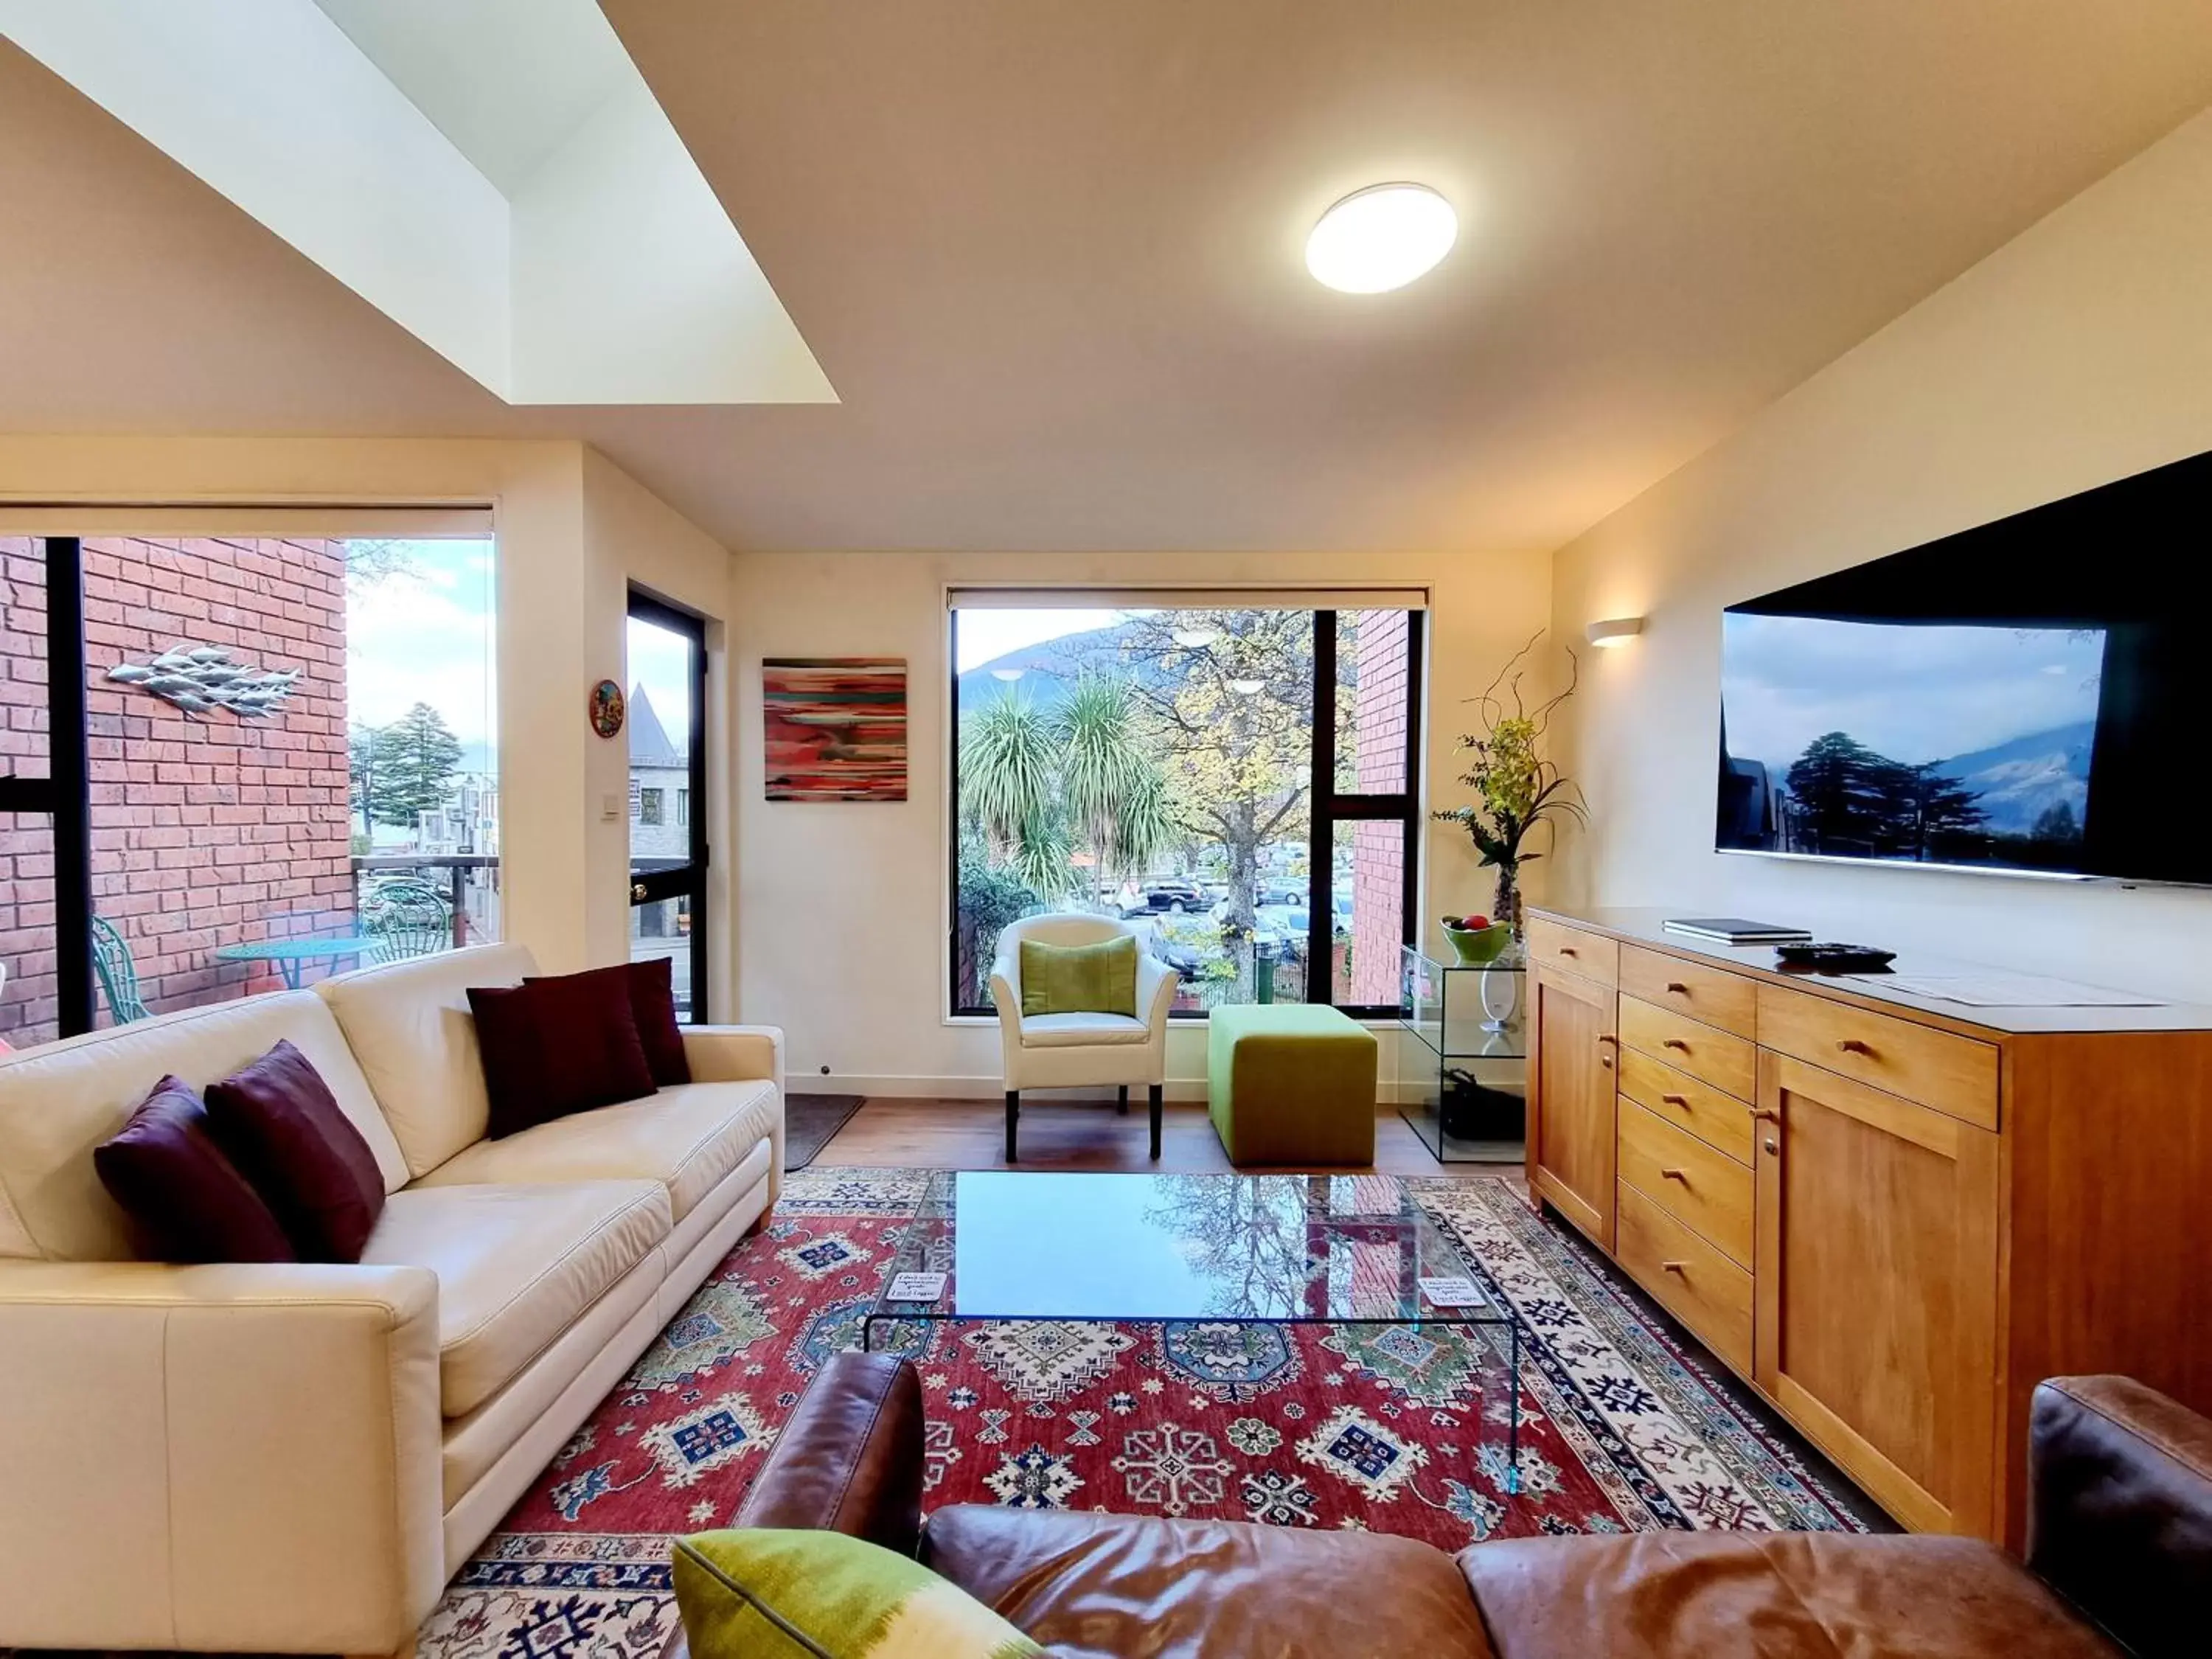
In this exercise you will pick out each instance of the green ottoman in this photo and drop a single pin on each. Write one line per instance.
(1291, 1083)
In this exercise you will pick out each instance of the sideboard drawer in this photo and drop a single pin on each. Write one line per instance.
(1688, 1277)
(1716, 1117)
(1555, 945)
(1709, 995)
(1727, 1062)
(1702, 1187)
(1953, 1074)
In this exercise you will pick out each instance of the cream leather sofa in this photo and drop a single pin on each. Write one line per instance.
(286, 1458)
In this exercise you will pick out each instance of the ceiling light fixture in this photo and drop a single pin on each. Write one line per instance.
(1614, 630)
(1381, 237)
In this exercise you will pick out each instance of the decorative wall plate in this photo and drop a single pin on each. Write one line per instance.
(608, 707)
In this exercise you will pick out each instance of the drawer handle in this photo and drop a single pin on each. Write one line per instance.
(1853, 1045)
(1682, 1268)
(1678, 987)
(1675, 1043)
(1683, 1101)
(1609, 1037)
(1569, 950)
(1675, 1175)
(1760, 1114)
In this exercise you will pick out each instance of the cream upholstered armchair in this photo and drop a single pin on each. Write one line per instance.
(1075, 1051)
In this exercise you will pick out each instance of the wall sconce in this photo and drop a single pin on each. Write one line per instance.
(1614, 630)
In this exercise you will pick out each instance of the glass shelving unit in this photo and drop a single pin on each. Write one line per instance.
(1463, 1056)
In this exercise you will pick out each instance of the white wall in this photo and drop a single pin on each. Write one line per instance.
(2079, 352)
(841, 908)
(573, 530)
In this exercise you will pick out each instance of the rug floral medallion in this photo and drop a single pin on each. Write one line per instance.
(1392, 1428)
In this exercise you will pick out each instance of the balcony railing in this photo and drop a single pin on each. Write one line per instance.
(469, 881)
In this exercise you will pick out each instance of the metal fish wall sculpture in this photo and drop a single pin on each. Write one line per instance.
(201, 678)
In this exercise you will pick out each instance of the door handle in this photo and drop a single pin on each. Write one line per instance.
(1760, 1114)
(1773, 1146)
(637, 892)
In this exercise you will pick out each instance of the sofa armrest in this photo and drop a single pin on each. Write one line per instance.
(2120, 1507)
(850, 1459)
(743, 1053)
(239, 1458)
(735, 1054)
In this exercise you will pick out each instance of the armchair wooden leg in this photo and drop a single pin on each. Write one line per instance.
(1013, 1116)
(1158, 1089)
(1121, 1105)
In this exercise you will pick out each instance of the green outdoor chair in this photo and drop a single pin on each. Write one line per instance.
(408, 919)
(119, 975)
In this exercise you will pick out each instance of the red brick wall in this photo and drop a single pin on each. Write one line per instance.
(1378, 850)
(211, 829)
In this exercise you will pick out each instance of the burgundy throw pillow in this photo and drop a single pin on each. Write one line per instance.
(286, 1133)
(555, 1046)
(653, 1001)
(186, 1199)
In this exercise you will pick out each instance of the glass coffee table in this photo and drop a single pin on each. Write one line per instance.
(1318, 1249)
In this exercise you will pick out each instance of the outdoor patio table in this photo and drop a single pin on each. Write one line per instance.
(291, 954)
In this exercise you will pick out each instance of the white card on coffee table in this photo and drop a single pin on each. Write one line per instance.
(1453, 1293)
(915, 1287)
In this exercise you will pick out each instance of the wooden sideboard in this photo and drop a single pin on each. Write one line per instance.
(1891, 1216)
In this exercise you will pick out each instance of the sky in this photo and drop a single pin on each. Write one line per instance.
(661, 661)
(1915, 694)
(424, 633)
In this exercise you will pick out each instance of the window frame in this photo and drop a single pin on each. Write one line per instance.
(1327, 806)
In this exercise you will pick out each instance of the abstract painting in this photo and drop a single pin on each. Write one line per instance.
(836, 727)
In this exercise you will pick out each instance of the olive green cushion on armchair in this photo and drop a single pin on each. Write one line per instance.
(1079, 979)
(766, 1593)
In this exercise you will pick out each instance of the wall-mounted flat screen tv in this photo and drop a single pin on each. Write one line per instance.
(2032, 695)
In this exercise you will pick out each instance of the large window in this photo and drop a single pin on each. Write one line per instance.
(235, 762)
(1242, 779)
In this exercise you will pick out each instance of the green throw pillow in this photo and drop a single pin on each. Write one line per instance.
(1080, 979)
(761, 1593)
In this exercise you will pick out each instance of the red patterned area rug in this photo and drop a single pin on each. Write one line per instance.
(1315, 1425)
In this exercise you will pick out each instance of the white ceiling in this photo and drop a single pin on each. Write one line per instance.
(1048, 252)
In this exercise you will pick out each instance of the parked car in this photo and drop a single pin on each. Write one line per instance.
(1170, 897)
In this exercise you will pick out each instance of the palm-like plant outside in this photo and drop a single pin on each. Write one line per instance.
(1036, 785)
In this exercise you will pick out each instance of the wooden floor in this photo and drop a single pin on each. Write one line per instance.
(971, 1135)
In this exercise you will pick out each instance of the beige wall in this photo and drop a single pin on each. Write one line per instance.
(842, 909)
(2079, 352)
(573, 530)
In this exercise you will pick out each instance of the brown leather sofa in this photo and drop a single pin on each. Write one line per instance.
(2119, 1560)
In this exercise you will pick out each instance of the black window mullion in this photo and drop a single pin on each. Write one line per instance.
(71, 771)
(689, 881)
(1320, 818)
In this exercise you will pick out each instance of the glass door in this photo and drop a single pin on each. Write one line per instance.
(667, 795)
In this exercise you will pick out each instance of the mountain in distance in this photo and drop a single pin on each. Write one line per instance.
(1049, 669)
(2016, 782)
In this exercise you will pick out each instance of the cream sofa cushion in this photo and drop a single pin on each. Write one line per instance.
(516, 1267)
(409, 1023)
(687, 1138)
(1080, 1031)
(60, 1100)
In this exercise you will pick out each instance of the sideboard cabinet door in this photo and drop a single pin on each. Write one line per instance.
(1874, 1288)
(1570, 1107)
